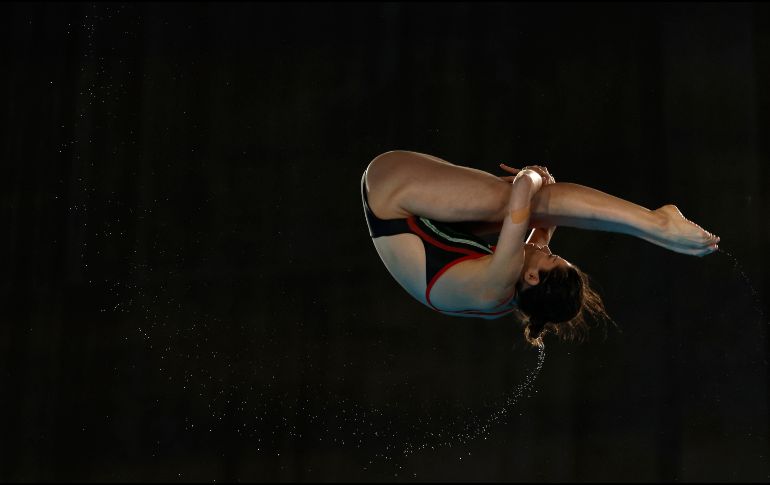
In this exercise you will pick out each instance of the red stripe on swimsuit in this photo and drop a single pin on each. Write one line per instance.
(468, 255)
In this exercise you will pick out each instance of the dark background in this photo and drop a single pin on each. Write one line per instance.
(189, 291)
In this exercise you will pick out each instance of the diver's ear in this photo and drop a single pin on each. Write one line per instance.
(531, 277)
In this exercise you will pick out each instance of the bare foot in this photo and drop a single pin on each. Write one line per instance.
(681, 235)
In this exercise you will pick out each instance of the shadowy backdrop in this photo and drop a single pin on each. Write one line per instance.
(189, 292)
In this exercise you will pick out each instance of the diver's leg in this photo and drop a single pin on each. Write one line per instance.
(405, 183)
(408, 183)
(578, 206)
(573, 205)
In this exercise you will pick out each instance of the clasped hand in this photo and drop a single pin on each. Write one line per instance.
(548, 179)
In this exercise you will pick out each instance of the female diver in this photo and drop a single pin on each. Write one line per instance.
(427, 219)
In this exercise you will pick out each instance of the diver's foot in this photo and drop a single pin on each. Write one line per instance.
(681, 235)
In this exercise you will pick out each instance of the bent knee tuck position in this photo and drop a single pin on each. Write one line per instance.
(445, 244)
(425, 217)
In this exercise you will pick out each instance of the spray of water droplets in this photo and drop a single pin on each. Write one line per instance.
(479, 426)
(345, 423)
(248, 396)
(738, 268)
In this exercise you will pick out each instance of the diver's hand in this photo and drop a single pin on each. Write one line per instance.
(542, 171)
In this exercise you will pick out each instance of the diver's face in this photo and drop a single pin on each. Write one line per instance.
(542, 258)
(536, 259)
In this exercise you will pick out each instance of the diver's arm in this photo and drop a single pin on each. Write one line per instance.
(541, 236)
(504, 266)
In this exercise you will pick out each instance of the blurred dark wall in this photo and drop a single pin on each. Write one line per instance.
(190, 293)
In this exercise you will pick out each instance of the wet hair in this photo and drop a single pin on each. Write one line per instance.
(559, 304)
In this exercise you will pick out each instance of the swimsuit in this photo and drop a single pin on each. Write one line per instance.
(445, 244)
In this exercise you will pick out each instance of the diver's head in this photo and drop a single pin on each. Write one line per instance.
(553, 294)
(537, 260)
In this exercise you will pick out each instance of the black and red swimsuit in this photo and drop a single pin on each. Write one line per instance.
(445, 245)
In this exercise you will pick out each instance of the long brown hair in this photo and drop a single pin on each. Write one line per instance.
(559, 304)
